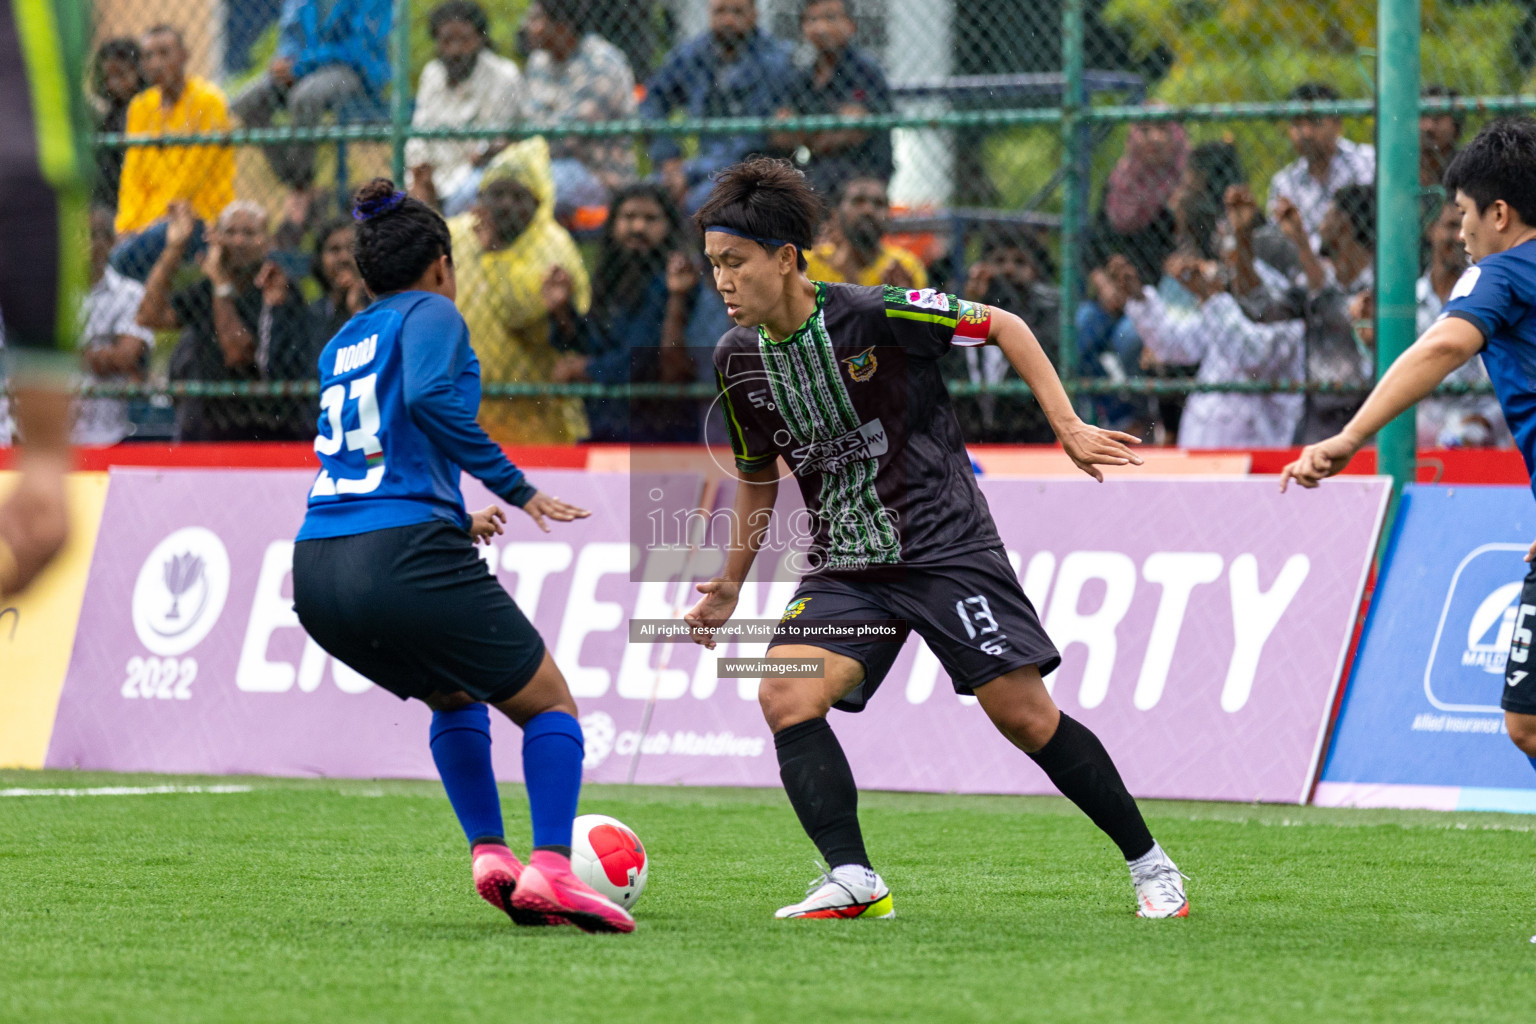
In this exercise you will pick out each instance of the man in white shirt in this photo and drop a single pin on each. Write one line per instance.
(466, 86)
(113, 347)
(576, 75)
(1327, 162)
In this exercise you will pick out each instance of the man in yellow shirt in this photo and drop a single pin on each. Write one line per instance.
(156, 176)
(504, 249)
(855, 250)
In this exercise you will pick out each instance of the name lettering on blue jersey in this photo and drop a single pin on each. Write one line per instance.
(353, 356)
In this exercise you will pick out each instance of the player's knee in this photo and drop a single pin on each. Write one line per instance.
(787, 702)
(1522, 731)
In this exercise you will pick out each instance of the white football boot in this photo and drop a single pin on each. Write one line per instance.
(850, 890)
(1159, 886)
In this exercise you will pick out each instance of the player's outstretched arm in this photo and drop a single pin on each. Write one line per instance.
(1087, 446)
(1413, 377)
(751, 512)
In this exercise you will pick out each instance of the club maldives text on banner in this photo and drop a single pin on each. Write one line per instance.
(1421, 724)
(37, 629)
(1202, 623)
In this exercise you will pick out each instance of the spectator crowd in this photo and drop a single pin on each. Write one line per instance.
(576, 261)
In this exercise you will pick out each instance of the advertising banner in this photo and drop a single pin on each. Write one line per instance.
(1202, 625)
(37, 629)
(1421, 724)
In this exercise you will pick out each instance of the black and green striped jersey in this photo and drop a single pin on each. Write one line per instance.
(854, 403)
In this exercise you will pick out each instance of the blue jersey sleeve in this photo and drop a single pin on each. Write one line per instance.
(1486, 298)
(434, 344)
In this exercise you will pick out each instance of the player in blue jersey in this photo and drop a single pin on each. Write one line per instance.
(1492, 311)
(385, 574)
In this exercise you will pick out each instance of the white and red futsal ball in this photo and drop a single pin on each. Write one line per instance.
(608, 856)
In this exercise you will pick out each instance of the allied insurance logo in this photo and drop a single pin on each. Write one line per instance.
(180, 591)
(1466, 661)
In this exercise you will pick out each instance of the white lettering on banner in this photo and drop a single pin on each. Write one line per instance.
(638, 677)
(271, 611)
(534, 563)
(925, 674)
(585, 614)
(690, 744)
(1096, 630)
(754, 601)
(1255, 614)
(1179, 572)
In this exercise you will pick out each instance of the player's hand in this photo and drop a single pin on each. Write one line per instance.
(485, 524)
(713, 610)
(542, 506)
(1320, 461)
(1090, 447)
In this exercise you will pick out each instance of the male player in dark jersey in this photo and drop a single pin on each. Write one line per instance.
(842, 382)
(42, 266)
(1492, 310)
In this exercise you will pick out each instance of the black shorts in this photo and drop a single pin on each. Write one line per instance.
(973, 615)
(416, 610)
(1520, 669)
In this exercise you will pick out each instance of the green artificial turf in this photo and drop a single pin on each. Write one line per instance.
(350, 901)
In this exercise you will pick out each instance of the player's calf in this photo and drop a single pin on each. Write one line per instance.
(1522, 731)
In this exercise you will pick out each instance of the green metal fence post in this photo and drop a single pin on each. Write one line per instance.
(1397, 214)
(1074, 182)
(400, 88)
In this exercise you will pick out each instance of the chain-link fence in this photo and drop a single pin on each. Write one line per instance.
(1181, 199)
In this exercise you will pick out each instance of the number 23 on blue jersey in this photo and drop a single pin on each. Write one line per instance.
(364, 450)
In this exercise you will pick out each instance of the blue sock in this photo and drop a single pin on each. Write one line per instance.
(461, 749)
(553, 749)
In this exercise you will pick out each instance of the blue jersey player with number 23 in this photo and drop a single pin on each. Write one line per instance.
(385, 573)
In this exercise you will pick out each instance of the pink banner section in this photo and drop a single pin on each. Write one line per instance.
(1203, 625)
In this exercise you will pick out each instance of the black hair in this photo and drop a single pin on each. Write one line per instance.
(1358, 204)
(323, 234)
(166, 29)
(998, 237)
(1219, 165)
(1445, 92)
(398, 237)
(467, 11)
(1314, 92)
(1497, 165)
(567, 12)
(121, 48)
(806, 6)
(842, 186)
(764, 198)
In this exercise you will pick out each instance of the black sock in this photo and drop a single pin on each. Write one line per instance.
(821, 790)
(1079, 766)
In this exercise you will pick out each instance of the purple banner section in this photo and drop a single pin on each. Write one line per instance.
(1202, 624)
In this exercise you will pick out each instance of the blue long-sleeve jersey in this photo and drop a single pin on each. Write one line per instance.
(399, 387)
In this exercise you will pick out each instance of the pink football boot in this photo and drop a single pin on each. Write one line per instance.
(547, 886)
(497, 872)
